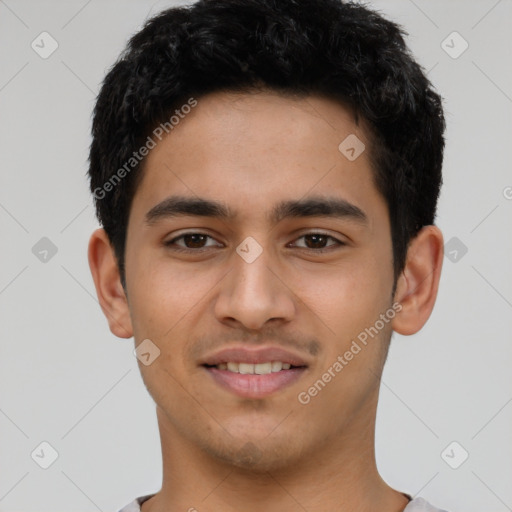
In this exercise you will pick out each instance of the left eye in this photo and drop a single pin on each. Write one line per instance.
(319, 238)
(194, 241)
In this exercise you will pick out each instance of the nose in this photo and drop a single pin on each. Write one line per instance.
(255, 293)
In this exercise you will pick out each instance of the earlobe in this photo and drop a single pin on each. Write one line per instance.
(418, 284)
(110, 292)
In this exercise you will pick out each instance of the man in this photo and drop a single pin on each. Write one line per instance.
(266, 174)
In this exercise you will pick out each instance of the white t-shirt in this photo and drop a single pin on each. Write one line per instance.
(415, 505)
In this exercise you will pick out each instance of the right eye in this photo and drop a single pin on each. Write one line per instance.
(193, 242)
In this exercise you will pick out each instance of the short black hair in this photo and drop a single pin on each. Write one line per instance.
(341, 50)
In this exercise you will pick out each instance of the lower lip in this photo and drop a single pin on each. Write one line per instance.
(255, 386)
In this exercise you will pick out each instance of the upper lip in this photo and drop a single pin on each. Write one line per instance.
(254, 355)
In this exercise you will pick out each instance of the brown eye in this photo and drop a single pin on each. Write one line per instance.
(191, 241)
(194, 241)
(317, 242)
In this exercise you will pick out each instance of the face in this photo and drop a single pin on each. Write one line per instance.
(295, 270)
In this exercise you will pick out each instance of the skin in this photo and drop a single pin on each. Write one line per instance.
(221, 451)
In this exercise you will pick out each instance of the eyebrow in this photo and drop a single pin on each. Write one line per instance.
(335, 207)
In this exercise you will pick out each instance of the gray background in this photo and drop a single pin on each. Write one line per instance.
(65, 379)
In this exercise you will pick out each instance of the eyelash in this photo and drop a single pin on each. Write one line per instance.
(170, 243)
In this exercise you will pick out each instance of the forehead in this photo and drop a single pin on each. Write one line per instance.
(252, 150)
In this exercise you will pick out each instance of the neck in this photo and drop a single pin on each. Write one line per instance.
(338, 475)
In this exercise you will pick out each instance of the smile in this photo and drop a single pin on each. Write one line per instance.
(255, 380)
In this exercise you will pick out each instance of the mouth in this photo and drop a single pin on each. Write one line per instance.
(254, 385)
(254, 372)
(254, 368)
(256, 381)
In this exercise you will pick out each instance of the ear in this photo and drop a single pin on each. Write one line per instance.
(107, 280)
(417, 286)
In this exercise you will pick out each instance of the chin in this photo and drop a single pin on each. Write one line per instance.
(258, 456)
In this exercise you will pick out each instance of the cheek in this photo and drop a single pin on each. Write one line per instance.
(164, 292)
(347, 301)
(350, 291)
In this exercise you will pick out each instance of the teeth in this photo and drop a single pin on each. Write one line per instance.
(263, 368)
(252, 369)
(246, 368)
(276, 366)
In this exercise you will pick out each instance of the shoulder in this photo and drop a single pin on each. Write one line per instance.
(134, 506)
(421, 505)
